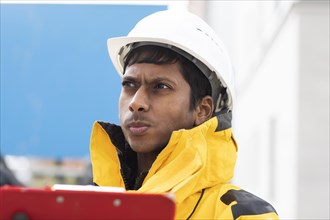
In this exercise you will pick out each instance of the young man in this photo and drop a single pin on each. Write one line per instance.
(175, 112)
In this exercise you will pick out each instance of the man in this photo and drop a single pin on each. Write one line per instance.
(175, 112)
(7, 176)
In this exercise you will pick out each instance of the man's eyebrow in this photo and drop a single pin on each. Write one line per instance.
(151, 79)
(130, 78)
(161, 79)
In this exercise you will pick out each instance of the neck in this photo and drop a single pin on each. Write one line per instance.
(145, 161)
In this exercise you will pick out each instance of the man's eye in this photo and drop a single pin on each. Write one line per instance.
(162, 86)
(128, 84)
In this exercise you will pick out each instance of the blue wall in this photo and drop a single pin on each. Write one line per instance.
(56, 76)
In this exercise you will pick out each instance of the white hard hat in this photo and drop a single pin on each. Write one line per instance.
(190, 36)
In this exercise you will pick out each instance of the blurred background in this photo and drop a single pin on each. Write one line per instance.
(57, 79)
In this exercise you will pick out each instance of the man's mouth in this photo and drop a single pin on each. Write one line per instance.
(138, 128)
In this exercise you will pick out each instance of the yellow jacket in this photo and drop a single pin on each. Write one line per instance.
(196, 166)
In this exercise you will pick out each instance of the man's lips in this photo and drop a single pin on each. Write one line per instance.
(138, 128)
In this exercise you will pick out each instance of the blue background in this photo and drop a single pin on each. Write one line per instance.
(56, 75)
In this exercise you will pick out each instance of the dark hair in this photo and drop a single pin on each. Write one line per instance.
(199, 84)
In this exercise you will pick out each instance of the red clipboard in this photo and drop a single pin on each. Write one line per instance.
(46, 204)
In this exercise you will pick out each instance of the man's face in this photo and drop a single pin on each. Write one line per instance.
(154, 102)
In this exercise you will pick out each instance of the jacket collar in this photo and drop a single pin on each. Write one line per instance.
(194, 159)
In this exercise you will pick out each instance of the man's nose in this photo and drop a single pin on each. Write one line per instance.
(140, 101)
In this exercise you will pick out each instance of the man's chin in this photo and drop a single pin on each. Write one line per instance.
(140, 149)
(145, 148)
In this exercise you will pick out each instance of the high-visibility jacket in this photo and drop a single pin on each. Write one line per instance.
(196, 165)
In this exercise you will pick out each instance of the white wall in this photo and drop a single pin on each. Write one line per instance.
(266, 124)
(313, 111)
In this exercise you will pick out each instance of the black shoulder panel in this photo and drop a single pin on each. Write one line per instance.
(247, 203)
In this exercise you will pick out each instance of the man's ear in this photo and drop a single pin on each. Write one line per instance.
(204, 110)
